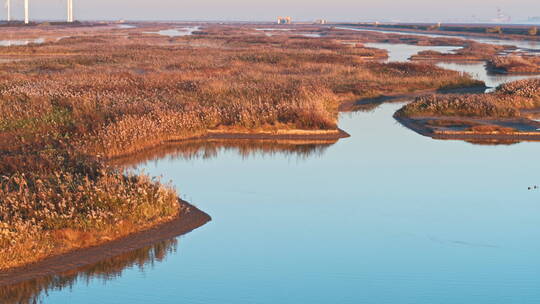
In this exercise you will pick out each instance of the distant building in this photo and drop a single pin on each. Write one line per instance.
(501, 17)
(320, 21)
(284, 20)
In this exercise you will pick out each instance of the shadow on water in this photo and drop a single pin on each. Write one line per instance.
(210, 149)
(34, 291)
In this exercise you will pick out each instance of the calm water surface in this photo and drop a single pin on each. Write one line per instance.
(177, 32)
(126, 26)
(386, 216)
(15, 42)
(402, 52)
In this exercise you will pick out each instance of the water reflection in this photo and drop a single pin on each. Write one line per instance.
(402, 52)
(383, 210)
(177, 32)
(311, 35)
(126, 26)
(209, 149)
(35, 291)
(493, 142)
(18, 42)
(478, 71)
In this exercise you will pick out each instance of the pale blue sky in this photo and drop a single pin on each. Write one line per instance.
(252, 10)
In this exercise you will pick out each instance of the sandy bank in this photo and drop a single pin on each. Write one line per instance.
(189, 219)
(459, 128)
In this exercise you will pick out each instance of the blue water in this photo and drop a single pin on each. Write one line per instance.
(385, 216)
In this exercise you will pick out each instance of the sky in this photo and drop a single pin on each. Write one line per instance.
(266, 10)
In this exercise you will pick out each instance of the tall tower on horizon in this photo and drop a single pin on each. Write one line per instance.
(8, 7)
(26, 15)
(69, 10)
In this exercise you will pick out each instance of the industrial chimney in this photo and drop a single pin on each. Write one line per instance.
(8, 7)
(26, 17)
(69, 10)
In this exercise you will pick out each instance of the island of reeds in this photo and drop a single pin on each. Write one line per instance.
(92, 94)
(509, 113)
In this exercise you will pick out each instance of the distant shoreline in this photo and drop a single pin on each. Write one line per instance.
(409, 28)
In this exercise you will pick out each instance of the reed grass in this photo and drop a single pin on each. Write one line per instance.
(66, 107)
(515, 64)
(507, 101)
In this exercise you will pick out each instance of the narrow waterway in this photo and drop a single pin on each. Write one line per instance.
(402, 52)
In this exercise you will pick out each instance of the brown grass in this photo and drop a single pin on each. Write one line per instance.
(67, 106)
(507, 101)
(491, 129)
(472, 51)
(515, 64)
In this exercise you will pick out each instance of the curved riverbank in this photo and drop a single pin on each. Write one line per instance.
(90, 252)
(293, 135)
(189, 218)
(509, 113)
(420, 126)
